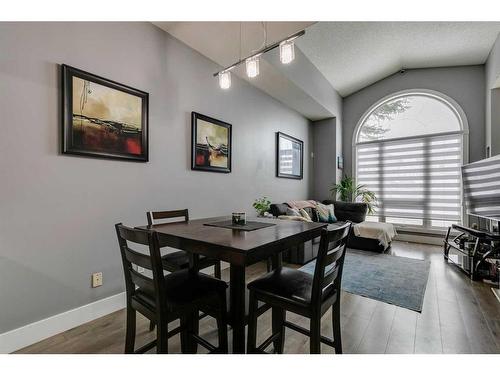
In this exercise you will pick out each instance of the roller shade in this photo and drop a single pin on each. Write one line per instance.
(414, 178)
(482, 188)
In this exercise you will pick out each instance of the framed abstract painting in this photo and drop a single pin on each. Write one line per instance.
(103, 118)
(289, 156)
(210, 144)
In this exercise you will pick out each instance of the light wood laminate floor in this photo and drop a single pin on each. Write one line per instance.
(459, 316)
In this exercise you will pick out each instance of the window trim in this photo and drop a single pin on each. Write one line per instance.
(445, 99)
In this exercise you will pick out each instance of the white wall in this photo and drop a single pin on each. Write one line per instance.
(57, 212)
(492, 70)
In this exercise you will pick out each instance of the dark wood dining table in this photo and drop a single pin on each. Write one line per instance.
(240, 249)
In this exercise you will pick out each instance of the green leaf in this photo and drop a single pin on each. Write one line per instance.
(348, 191)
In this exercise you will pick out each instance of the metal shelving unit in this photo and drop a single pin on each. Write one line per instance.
(470, 258)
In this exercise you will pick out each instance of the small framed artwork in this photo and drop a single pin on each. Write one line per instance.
(340, 162)
(210, 144)
(103, 118)
(289, 156)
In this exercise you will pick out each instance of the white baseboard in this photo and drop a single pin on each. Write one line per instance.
(496, 292)
(419, 239)
(32, 333)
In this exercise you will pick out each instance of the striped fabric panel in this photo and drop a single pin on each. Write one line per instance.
(482, 187)
(414, 178)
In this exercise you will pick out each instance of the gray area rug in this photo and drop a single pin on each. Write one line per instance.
(387, 278)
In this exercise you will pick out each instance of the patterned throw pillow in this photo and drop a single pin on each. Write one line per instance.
(305, 215)
(326, 213)
(292, 212)
(312, 213)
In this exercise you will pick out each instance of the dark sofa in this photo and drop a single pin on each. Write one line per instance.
(354, 212)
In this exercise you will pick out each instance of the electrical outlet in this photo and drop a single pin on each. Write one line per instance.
(96, 279)
(140, 269)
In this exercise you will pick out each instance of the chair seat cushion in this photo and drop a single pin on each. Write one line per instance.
(179, 259)
(285, 283)
(185, 287)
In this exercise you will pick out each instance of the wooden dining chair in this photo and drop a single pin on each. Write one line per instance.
(286, 289)
(178, 260)
(163, 299)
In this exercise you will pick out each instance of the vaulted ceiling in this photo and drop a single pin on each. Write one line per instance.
(345, 56)
(353, 55)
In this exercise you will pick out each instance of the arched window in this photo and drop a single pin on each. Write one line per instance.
(408, 149)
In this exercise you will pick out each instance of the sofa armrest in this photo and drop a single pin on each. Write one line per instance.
(278, 209)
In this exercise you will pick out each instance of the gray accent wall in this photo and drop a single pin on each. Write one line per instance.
(465, 84)
(492, 69)
(326, 148)
(57, 212)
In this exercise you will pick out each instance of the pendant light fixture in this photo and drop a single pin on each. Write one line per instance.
(287, 51)
(252, 64)
(287, 55)
(225, 79)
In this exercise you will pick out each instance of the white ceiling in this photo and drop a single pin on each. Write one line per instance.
(353, 55)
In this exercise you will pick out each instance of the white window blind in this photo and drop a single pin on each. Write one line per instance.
(482, 188)
(413, 178)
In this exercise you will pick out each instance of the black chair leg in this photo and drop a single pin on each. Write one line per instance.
(184, 335)
(337, 336)
(130, 335)
(222, 325)
(162, 338)
(315, 343)
(151, 326)
(278, 318)
(193, 327)
(252, 324)
(217, 271)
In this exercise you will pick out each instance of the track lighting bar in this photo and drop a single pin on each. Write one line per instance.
(262, 51)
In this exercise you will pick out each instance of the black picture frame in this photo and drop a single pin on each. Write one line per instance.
(195, 164)
(340, 162)
(280, 173)
(68, 145)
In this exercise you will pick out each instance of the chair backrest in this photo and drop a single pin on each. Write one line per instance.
(330, 262)
(153, 286)
(155, 216)
(349, 211)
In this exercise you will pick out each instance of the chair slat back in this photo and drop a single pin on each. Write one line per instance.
(153, 286)
(330, 262)
(138, 259)
(330, 276)
(145, 283)
(155, 216)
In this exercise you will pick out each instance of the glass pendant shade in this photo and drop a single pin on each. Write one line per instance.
(252, 67)
(287, 52)
(225, 80)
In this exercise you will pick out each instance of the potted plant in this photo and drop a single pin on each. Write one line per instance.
(262, 205)
(348, 191)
